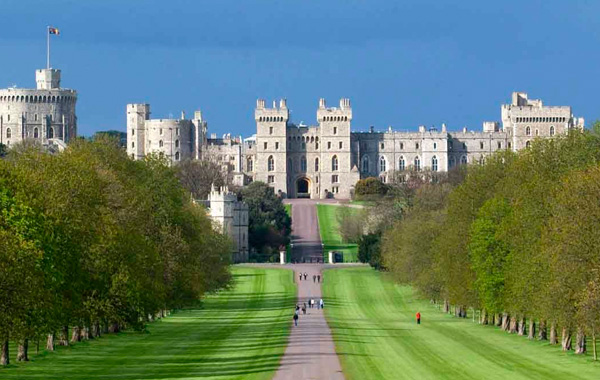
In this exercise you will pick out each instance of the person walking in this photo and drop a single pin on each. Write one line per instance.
(318, 278)
(300, 276)
(321, 303)
(418, 318)
(314, 278)
(312, 303)
(304, 308)
(305, 275)
(296, 318)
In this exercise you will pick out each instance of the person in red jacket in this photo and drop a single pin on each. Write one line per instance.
(418, 318)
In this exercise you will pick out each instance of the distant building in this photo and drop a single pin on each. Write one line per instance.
(326, 160)
(232, 216)
(45, 114)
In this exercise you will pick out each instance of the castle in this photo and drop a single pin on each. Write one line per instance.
(45, 114)
(326, 160)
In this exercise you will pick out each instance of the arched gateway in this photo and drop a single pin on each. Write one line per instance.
(302, 188)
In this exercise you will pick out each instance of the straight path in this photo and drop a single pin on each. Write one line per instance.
(310, 353)
(306, 239)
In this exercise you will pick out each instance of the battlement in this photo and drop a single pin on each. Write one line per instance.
(334, 114)
(273, 114)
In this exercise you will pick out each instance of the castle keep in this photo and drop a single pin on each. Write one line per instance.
(327, 159)
(45, 114)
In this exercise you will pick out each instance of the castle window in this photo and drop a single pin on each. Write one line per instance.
(317, 164)
(176, 156)
(35, 117)
(303, 164)
(417, 163)
(249, 164)
(317, 179)
(8, 133)
(417, 146)
(271, 179)
(528, 144)
(8, 119)
(334, 178)
(132, 144)
(316, 145)
(160, 144)
(382, 146)
(271, 164)
(270, 130)
(177, 131)
(51, 133)
(328, 144)
(365, 164)
(481, 145)
(382, 165)
(401, 164)
(132, 132)
(36, 133)
(312, 139)
(341, 144)
(499, 145)
(434, 164)
(317, 139)
(160, 131)
(528, 131)
(335, 130)
(276, 145)
(552, 130)
(334, 164)
(265, 145)
(537, 132)
(509, 145)
(434, 146)
(463, 160)
(401, 145)
(464, 146)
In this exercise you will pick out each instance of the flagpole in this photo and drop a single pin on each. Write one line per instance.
(48, 47)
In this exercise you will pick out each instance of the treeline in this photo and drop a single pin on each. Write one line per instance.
(517, 241)
(92, 242)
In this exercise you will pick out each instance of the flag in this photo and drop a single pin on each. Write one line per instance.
(52, 30)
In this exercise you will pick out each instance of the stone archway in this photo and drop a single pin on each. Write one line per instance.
(302, 188)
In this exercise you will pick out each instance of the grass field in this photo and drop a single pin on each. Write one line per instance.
(330, 234)
(238, 334)
(376, 337)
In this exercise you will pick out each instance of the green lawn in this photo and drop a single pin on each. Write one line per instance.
(330, 234)
(288, 249)
(376, 337)
(238, 334)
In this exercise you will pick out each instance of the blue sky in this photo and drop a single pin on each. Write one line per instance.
(402, 63)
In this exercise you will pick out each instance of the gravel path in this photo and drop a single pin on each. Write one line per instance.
(310, 353)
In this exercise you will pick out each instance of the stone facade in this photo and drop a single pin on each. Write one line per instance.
(45, 114)
(232, 217)
(327, 159)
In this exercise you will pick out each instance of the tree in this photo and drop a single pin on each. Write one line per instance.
(198, 176)
(269, 225)
(369, 188)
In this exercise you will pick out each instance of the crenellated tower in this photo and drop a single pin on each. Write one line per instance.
(271, 144)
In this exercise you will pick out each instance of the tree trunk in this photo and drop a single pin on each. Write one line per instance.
(512, 327)
(63, 338)
(522, 328)
(4, 359)
(566, 341)
(505, 321)
(580, 347)
(96, 330)
(50, 342)
(553, 334)
(594, 344)
(483, 318)
(22, 351)
(446, 306)
(76, 335)
(84, 332)
(531, 334)
(543, 334)
(498, 320)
